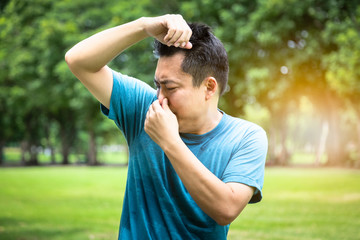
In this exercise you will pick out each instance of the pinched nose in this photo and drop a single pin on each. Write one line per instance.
(160, 96)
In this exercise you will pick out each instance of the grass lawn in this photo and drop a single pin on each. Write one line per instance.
(85, 203)
(61, 202)
(303, 204)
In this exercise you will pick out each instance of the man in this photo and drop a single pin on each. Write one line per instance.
(192, 167)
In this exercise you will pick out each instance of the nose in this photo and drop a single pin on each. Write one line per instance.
(160, 95)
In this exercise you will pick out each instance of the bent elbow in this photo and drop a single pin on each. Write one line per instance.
(73, 63)
(69, 58)
(223, 221)
(225, 218)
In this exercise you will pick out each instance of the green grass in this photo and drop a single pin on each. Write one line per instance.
(60, 202)
(303, 204)
(85, 203)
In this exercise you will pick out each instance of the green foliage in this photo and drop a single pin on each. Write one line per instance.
(38, 83)
(279, 51)
(344, 64)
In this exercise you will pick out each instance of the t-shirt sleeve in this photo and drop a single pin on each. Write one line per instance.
(129, 103)
(248, 162)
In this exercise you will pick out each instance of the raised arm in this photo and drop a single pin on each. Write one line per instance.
(88, 59)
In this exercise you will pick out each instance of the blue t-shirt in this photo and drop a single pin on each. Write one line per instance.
(156, 204)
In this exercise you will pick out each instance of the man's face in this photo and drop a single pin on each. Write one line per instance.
(185, 101)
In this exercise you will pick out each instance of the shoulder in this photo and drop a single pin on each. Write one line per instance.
(242, 125)
(244, 132)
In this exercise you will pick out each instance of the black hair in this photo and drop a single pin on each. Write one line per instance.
(206, 58)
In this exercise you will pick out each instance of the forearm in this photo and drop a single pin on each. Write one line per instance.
(98, 50)
(223, 202)
(93, 53)
(214, 197)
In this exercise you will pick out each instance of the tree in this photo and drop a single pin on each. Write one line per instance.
(277, 51)
(343, 65)
(19, 57)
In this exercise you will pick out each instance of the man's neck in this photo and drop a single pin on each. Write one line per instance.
(204, 124)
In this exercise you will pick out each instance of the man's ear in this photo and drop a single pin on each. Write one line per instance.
(211, 87)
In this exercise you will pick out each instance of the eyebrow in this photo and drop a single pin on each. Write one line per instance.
(164, 81)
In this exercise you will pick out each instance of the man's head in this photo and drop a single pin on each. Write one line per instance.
(192, 79)
(206, 58)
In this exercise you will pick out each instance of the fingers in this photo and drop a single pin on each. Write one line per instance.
(151, 113)
(188, 45)
(165, 105)
(179, 32)
(155, 106)
(176, 38)
(153, 116)
(154, 109)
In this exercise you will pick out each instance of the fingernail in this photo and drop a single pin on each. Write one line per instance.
(183, 44)
(177, 44)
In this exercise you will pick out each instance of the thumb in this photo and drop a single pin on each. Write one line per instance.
(188, 45)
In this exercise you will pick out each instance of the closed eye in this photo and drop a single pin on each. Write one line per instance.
(156, 84)
(165, 84)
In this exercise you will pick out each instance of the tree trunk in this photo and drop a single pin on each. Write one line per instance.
(65, 146)
(2, 155)
(52, 151)
(283, 158)
(67, 133)
(65, 150)
(50, 144)
(52, 155)
(272, 146)
(357, 161)
(278, 152)
(322, 143)
(24, 147)
(33, 155)
(92, 148)
(335, 150)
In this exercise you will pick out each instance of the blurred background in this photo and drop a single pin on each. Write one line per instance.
(294, 70)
